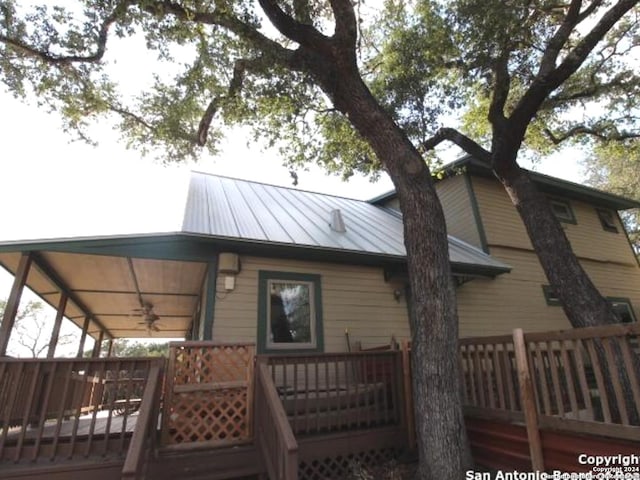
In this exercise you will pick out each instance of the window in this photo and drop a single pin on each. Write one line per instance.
(289, 312)
(551, 296)
(607, 220)
(623, 308)
(562, 210)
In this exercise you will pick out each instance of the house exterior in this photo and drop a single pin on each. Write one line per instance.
(479, 211)
(248, 256)
(271, 287)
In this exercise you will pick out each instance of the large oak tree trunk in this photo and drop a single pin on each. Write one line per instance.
(442, 440)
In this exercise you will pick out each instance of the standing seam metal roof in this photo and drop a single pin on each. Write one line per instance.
(230, 208)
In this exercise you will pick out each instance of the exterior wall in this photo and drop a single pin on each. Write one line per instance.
(516, 300)
(455, 197)
(356, 298)
(458, 209)
(503, 226)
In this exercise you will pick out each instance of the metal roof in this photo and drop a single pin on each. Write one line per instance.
(228, 208)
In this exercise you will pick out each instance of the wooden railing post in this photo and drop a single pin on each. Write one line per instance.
(408, 395)
(527, 401)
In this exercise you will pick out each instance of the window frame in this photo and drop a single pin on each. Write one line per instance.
(627, 302)
(571, 218)
(603, 216)
(550, 296)
(265, 278)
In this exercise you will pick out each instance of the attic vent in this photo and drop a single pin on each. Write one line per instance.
(337, 222)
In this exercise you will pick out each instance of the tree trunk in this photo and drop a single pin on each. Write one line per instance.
(442, 441)
(582, 302)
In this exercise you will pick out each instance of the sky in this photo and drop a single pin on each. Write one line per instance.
(52, 186)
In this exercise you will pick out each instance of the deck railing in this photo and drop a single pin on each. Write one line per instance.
(208, 395)
(330, 392)
(274, 436)
(583, 380)
(144, 435)
(67, 408)
(586, 374)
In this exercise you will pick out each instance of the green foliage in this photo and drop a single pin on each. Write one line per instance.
(123, 347)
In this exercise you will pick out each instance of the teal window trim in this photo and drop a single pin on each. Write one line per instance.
(475, 210)
(264, 276)
(210, 302)
(550, 296)
(627, 302)
(570, 218)
(607, 220)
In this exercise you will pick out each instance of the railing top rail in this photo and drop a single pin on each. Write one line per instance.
(209, 343)
(616, 330)
(486, 340)
(329, 355)
(272, 398)
(150, 360)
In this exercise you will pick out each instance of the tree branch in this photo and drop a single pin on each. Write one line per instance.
(502, 83)
(52, 59)
(235, 86)
(301, 33)
(223, 19)
(461, 140)
(346, 34)
(558, 138)
(546, 83)
(559, 39)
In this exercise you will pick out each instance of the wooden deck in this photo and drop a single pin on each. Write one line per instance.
(85, 426)
(528, 400)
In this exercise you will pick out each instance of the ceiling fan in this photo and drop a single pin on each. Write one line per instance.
(149, 318)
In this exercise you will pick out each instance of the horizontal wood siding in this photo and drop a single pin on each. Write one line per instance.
(458, 212)
(353, 297)
(516, 300)
(503, 226)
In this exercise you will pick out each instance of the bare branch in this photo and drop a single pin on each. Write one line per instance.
(461, 140)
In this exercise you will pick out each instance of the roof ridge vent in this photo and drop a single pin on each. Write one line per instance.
(337, 222)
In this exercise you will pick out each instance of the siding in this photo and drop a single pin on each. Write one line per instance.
(456, 203)
(503, 226)
(515, 300)
(458, 212)
(353, 297)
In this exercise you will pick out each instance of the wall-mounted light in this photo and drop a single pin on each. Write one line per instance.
(397, 295)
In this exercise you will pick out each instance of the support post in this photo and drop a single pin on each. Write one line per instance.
(110, 348)
(11, 309)
(83, 337)
(98, 345)
(55, 333)
(527, 400)
(408, 394)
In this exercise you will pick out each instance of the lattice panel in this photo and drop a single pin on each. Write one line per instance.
(216, 363)
(345, 465)
(219, 416)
